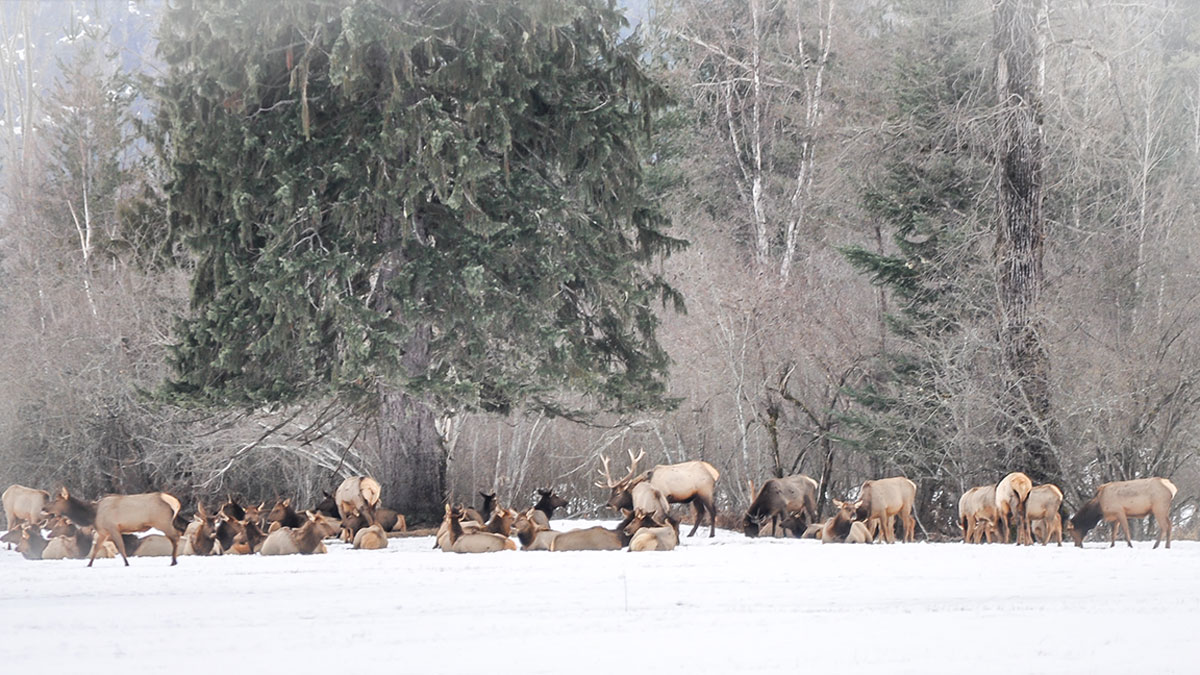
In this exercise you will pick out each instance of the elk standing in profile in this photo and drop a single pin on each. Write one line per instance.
(1118, 501)
(793, 497)
(24, 505)
(692, 482)
(881, 500)
(116, 515)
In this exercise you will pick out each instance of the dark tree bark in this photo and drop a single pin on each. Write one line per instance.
(411, 464)
(1021, 236)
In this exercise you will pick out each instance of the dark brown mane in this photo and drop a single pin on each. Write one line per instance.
(1087, 517)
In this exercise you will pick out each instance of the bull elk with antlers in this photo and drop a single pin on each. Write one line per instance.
(692, 482)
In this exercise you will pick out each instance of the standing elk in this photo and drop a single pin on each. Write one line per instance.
(358, 494)
(780, 499)
(692, 482)
(1116, 502)
(1011, 494)
(881, 500)
(116, 515)
(24, 505)
(1042, 512)
(975, 506)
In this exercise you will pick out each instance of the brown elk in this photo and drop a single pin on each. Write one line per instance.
(548, 503)
(232, 509)
(1042, 512)
(596, 538)
(485, 511)
(477, 542)
(781, 498)
(532, 534)
(693, 482)
(283, 515)
(250, 539)
(371, 538)
(116, 515)
(1011, 494)
(648, 533)
(1116, 502)
(200, 537)
(152, 545)
(881, 500)
(32, 543)
(24, 505)
(843, 528)
(976, 504)
(358, 494)
(305, 540)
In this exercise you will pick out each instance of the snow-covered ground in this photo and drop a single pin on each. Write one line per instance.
(723, 605)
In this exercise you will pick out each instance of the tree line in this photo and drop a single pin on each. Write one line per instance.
(479, 247)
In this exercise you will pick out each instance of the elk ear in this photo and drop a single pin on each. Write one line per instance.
(626, 512)
(287, 502)
(62, 492)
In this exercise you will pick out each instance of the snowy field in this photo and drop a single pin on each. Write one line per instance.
(723, 605)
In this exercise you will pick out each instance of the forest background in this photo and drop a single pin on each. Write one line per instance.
(833, 165)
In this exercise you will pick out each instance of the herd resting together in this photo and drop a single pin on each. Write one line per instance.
(107, 527)
(989, 512)
(783, 506)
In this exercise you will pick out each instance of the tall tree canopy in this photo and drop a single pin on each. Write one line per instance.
(425, 206)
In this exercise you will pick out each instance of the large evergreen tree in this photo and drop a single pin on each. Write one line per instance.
(419, 206)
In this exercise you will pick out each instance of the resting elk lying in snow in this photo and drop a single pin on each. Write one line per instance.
(843, 528)
(457, 541)
(1011, 495)
(531, 533)
(1043, 512)
(547, 505)
(880, 501)
(792, 497)
(1118, 501)
(694, 482)
(283, 515)
(115, 515)
(371, 538)
(648, 534)
(596, 538)
(305, 539)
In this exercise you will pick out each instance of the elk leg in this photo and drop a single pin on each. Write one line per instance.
(1125, 524)
(174, 547)
(712, 517)
(120, 542)
(96, 544)
(699, 515)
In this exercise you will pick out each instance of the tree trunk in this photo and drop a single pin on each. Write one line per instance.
(410, 463)
(1020, 237)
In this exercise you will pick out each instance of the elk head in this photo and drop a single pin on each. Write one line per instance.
(620, 497)
(549, 502)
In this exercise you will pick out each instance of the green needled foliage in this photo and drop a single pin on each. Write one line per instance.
(354, 175)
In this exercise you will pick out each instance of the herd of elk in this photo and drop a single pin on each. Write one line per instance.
(108, 527)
